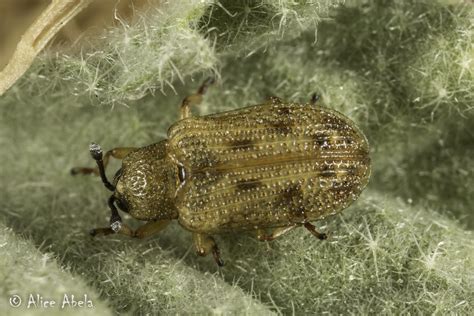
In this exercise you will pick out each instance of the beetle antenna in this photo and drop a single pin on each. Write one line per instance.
(96, 153)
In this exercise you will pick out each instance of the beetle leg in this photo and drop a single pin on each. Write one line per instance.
(194, 99)
(146, 230)
(277, 232)
(116, 224)
(205, 244)
(151, 228)
(117, 153)
(103, 231)
(312, 230)
(314, 98)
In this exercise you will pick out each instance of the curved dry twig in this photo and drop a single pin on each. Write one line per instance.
(37, 36)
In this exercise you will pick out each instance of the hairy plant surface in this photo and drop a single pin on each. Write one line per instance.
(401, 69)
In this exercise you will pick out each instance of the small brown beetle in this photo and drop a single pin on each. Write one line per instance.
(275, 166)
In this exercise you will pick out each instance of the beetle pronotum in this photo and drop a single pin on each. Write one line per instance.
(273, 166)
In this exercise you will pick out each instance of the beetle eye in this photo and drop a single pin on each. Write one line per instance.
(181, 173)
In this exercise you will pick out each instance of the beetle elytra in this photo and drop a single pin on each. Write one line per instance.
(266, 168)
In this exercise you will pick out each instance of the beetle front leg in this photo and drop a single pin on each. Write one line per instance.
(205, 244)
(277, 232)
(116, 224)
(103, 231)
(146, 230)
(151, 228)
(117, 153)
(194, 99)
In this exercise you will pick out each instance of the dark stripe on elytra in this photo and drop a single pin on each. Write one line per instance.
(323, 140)
(344, 189)
(205, 160)
(242, 143)
(246, 185)
(327, 171)
(349, 185)
(293, 198)
(335, 124)
(291, 193)
(284, 111)
(342, 192)
(210, 175)
(202, 156)
(351, 170)
(281, 127)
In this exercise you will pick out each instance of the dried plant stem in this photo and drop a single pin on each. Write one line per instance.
(52, 19)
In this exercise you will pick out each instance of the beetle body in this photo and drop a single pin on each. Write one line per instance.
(273, 166)
(264, 166)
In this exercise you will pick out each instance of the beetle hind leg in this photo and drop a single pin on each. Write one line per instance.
(312, 230)
(205, 244)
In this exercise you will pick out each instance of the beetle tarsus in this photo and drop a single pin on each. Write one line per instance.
(315, 98)
(312, 230)
(322, 236)
(217, 256)
(194, 99)
(208, 82)
(204, 245)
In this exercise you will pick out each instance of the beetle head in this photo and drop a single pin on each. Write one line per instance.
(145, 185)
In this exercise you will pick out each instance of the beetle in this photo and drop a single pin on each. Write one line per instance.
(267, 168)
